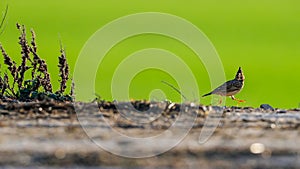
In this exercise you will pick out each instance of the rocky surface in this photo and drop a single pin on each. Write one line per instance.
(60, 135)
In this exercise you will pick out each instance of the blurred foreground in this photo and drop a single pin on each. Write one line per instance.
(48, 134)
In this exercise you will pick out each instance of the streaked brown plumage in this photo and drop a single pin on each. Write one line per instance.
(231, 87)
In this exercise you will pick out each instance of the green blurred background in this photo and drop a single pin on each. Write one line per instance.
(261, 36)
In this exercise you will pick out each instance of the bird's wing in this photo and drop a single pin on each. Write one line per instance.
(229, 86)
(221, 90)
(233, 85)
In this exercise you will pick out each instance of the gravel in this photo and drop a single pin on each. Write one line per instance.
(58, 135)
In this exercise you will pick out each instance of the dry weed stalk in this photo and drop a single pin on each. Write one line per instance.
(12, 67)
(72, 91)
(39, 65)
(63, 70)
(25, 52)
(33, 50)
(29, 89)
(46, 82)
(6, 85)
(2, 86)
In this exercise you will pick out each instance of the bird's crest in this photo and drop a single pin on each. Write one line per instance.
(239, 75)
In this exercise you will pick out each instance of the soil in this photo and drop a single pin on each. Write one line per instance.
(54, 134)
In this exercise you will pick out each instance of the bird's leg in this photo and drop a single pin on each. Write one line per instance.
(238, 100)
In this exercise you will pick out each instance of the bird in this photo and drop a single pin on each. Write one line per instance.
(231, 87)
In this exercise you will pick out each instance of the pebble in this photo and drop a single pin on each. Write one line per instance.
(281, 111)
(266, 107)
(257, 148)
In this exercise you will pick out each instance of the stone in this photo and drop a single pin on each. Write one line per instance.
(266, 107)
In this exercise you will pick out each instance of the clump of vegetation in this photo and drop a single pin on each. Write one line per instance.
(38, 86)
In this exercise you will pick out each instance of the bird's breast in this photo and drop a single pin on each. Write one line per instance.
(232, 93)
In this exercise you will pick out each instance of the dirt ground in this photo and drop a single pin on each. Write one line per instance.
(63, 135)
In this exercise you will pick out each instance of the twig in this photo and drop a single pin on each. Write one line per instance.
(3, 19)
(178, 91)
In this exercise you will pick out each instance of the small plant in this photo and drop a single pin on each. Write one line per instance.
(39, 85)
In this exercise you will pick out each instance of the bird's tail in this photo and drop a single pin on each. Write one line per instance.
(207, 94)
